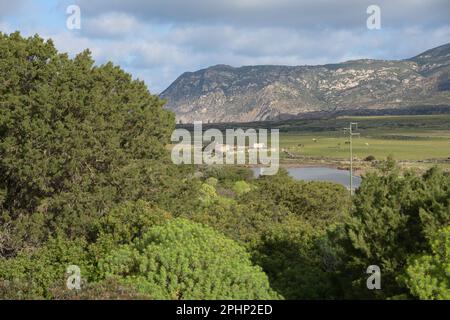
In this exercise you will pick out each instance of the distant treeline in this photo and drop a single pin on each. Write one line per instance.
(324, 115)
(336, 121)
(415, 110)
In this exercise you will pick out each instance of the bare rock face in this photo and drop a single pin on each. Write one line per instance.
(255, 93)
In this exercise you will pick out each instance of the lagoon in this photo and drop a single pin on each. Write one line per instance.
(320, 174)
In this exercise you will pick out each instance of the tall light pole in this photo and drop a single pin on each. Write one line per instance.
(350, 132)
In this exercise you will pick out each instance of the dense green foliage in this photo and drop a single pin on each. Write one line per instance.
(32, 274)
(428, 275)
(74, 139)
(283, 224)
(86, 180)
(394, 217)
(183, 260)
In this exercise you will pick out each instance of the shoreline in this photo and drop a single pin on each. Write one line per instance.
(359, 167)
(357, 171)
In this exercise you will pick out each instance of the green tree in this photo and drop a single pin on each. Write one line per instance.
(75, 139)
(394, 215)
(321, 203)
(428, 276)
(227, 175)
(297, 260)
(184, 260)
(130, 220)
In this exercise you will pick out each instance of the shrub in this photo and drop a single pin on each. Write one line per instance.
(241, 187)
(394, 216)
(32, 273)
(108, 289)
(428, 276)
(184, 260)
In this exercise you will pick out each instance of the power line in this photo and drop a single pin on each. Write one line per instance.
(350, 132)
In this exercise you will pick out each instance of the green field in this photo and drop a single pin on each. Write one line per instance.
(415, 140)
(328, 146)
(407, 138)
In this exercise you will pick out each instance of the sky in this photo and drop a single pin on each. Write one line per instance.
(158, 40)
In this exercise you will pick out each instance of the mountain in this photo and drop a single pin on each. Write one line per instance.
(254, 93)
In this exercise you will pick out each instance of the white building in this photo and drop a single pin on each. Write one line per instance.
(259, 146)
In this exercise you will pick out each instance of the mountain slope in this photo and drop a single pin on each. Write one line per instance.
(251, 93)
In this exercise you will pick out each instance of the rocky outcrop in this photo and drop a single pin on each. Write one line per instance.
(252, 93)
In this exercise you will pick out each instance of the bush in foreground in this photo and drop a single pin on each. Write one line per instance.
(428, 276)
(185, 260)
(395, 215)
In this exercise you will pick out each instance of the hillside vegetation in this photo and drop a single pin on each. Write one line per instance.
(258, 93)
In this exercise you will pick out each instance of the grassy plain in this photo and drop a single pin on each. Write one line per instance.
(418, 141)
(335, 146)
(414, 140)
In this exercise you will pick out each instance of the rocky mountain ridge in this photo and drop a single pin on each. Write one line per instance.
(257, 93)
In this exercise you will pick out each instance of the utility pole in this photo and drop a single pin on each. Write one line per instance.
(350, 132)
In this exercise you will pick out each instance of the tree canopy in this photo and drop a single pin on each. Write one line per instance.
(75, 139)
(394, 217)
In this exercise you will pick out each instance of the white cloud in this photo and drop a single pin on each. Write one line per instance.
(112, 24)
(160, 39)
(160, 59)
(287, 13)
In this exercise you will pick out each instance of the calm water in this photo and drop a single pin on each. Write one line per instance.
(320, 174)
